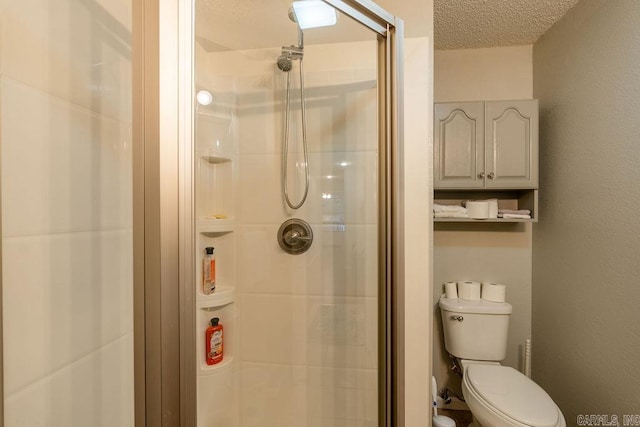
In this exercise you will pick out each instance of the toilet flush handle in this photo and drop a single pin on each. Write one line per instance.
(458, 318)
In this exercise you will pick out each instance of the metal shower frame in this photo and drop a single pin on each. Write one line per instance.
(164, 229)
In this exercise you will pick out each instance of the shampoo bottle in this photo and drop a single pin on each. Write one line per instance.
(213, 340)
(209, 271)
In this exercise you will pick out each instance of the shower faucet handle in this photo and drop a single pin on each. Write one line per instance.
(294, 237)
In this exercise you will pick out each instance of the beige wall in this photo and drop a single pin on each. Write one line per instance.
(418, 141)
(498, 252)
(586, 322)
(483, 74)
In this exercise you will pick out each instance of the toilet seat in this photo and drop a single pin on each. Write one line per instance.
(508, 397)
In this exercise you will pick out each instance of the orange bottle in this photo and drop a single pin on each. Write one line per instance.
(209, 271)
(213, 340)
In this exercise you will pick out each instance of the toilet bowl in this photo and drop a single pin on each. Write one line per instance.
(475, 333)
(499, 396)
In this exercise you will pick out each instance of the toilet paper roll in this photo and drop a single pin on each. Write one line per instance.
(469, 290)
(451, 290)
(478, 209)
(494, 292)
(493, 208)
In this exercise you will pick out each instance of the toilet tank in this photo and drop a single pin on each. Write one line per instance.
(475, 330)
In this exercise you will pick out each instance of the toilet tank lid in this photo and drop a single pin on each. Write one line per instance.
(478, 307)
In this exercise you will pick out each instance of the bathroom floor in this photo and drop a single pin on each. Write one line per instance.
(462, 418)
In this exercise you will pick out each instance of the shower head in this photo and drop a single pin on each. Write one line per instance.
(287, 56)
(284, 63)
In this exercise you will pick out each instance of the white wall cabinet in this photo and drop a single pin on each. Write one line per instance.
(486, 145)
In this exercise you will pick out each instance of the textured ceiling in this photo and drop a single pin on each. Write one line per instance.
(462, 24)
(254, 24)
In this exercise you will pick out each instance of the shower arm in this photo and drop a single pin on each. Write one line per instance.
(300, 37)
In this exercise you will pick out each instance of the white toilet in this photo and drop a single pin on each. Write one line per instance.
(498, 396)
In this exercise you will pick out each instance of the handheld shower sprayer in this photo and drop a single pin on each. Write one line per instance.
(306, 14)
(285, 64)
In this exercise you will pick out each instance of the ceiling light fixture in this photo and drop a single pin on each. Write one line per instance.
(314, 14)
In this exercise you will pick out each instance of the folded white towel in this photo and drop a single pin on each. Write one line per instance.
(450, 215)
(515, 211)
(514, 216)
(448, 208)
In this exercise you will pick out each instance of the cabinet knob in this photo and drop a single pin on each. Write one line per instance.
(491, 175)
(481, 175)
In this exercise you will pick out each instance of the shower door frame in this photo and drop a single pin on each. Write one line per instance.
(164, 198)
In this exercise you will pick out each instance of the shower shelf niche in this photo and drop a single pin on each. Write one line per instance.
(227, 314)
(215, 192)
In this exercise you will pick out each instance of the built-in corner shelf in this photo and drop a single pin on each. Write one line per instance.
(216, 226)
(220, 304)
(214, 159)
(218, 368)
(223, 295)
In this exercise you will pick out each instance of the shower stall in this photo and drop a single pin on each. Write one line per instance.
(138, 135)
(291, 159)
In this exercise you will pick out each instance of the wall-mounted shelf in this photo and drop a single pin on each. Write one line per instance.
(507, 199)
(492, 220)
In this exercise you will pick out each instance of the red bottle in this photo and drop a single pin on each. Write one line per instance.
(213, 341)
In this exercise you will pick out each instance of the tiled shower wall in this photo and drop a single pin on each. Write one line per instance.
(65, 86)
(307, 324)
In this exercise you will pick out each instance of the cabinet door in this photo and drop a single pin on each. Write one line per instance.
(459, 145)
(511, 141)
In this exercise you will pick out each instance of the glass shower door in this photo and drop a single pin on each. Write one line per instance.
(301, 330)
(67, 262)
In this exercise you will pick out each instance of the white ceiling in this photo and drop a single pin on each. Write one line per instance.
(489, 23)
(246, 24)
